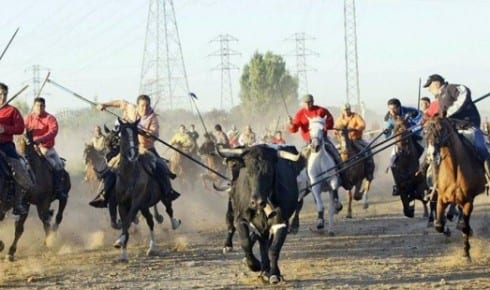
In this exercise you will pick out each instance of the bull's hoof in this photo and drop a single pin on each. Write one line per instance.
(227, 249)
(274, 279)
(264, 276)
(2, 246)
(121, 260)
(159, 218)
(447, 232)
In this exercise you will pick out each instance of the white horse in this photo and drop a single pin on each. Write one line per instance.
(320, 172)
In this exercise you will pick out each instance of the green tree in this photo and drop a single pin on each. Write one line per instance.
(264, 82)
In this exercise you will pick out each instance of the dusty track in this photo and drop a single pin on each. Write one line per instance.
(377, 249)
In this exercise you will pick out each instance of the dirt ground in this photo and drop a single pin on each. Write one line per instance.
(377, 249)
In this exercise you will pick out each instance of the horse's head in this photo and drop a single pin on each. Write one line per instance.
(343, 142)
(436, 131)
(316, 126)
(112, 141)
(129, 139)
(403, 142)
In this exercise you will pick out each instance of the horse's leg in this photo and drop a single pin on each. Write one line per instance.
(451, 212)
(158, 216)
(331, 213)
(170, 212)
(320, 209)
(294, 226)
(440, 222)
(127, 215)
(228, 247)
(44, 215)
(19, 230)
(59, 215)
(149, 221)
(466, 229)
(112, 206)
(432, 206)
(349, 207)
(426, 210)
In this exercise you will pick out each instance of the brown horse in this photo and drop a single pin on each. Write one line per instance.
(459, 175)
(355, 175)
(409, 185)
(209, 155)
(186, 170)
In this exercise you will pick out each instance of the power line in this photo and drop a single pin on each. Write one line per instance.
(224, 52)
(36, 78)
(301, 54)
(163, 73)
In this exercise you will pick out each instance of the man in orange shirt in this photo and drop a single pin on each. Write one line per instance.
(355, 124)
(44, 129)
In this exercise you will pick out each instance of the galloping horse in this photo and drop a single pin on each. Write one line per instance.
(409, 185)
(136, 190)
(186, 170)
(210, 156)
(355, 174)
(41, 194)
(460, 176)
(319, 168)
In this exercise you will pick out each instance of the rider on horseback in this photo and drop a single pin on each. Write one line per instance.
(44, 129)
(355, 125)
(149, 126)
(300, 121)
(183, 140)
(11, 123)
(413, 117)
(455, 103)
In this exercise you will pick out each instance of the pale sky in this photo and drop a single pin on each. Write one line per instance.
(95, 47)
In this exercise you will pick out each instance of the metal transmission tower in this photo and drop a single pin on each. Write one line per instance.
(226, 67)
(36, 77)
(351, 64)
(163, 74)
(301, 54)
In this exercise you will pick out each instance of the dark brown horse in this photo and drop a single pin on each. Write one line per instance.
(355, 175)
(459, 177)
(210, 157)
(186, 170)
(136, 190)
(41, 194)
(409, 185)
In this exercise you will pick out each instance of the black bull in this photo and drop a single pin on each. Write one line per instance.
(263, 195)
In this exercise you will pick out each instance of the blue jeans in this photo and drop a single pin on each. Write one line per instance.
(9, 150)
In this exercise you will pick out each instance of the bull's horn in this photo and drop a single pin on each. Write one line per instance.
(288, 155)
(231, 152)
(221, 188)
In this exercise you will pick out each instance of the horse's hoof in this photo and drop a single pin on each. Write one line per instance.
(55, 227)
(331, 234)
(338, 207)
(159, 218)
(176, 223)
(365, 206)
(274, 279)
(358, 196)
(227, 249)
(293, 230)
(348, 215)
(120, 242)
(447, 232)
(116, 226)
(2, 246)
(151, 253)
(10, 258)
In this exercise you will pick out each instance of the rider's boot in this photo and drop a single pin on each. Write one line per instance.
(162, 173)
(101, 200)
(58, 183)
(19, 202)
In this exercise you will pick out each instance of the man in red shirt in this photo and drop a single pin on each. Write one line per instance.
(11, 123)
(44, 128)
(300, 121)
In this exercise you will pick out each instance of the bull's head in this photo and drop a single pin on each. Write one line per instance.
(253, 171)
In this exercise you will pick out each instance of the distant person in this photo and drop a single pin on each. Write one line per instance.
(233, 136)
(182, 140)
(194, 136)
(267, 136)
(277, 139)
(98, 139)
(424, 104)
(247, 138)
(220, 136)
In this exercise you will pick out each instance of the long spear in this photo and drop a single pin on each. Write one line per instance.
(194, 98)
(140, 131)
(418, 103)
(42, 86)
(15, 96)
(8, 44)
